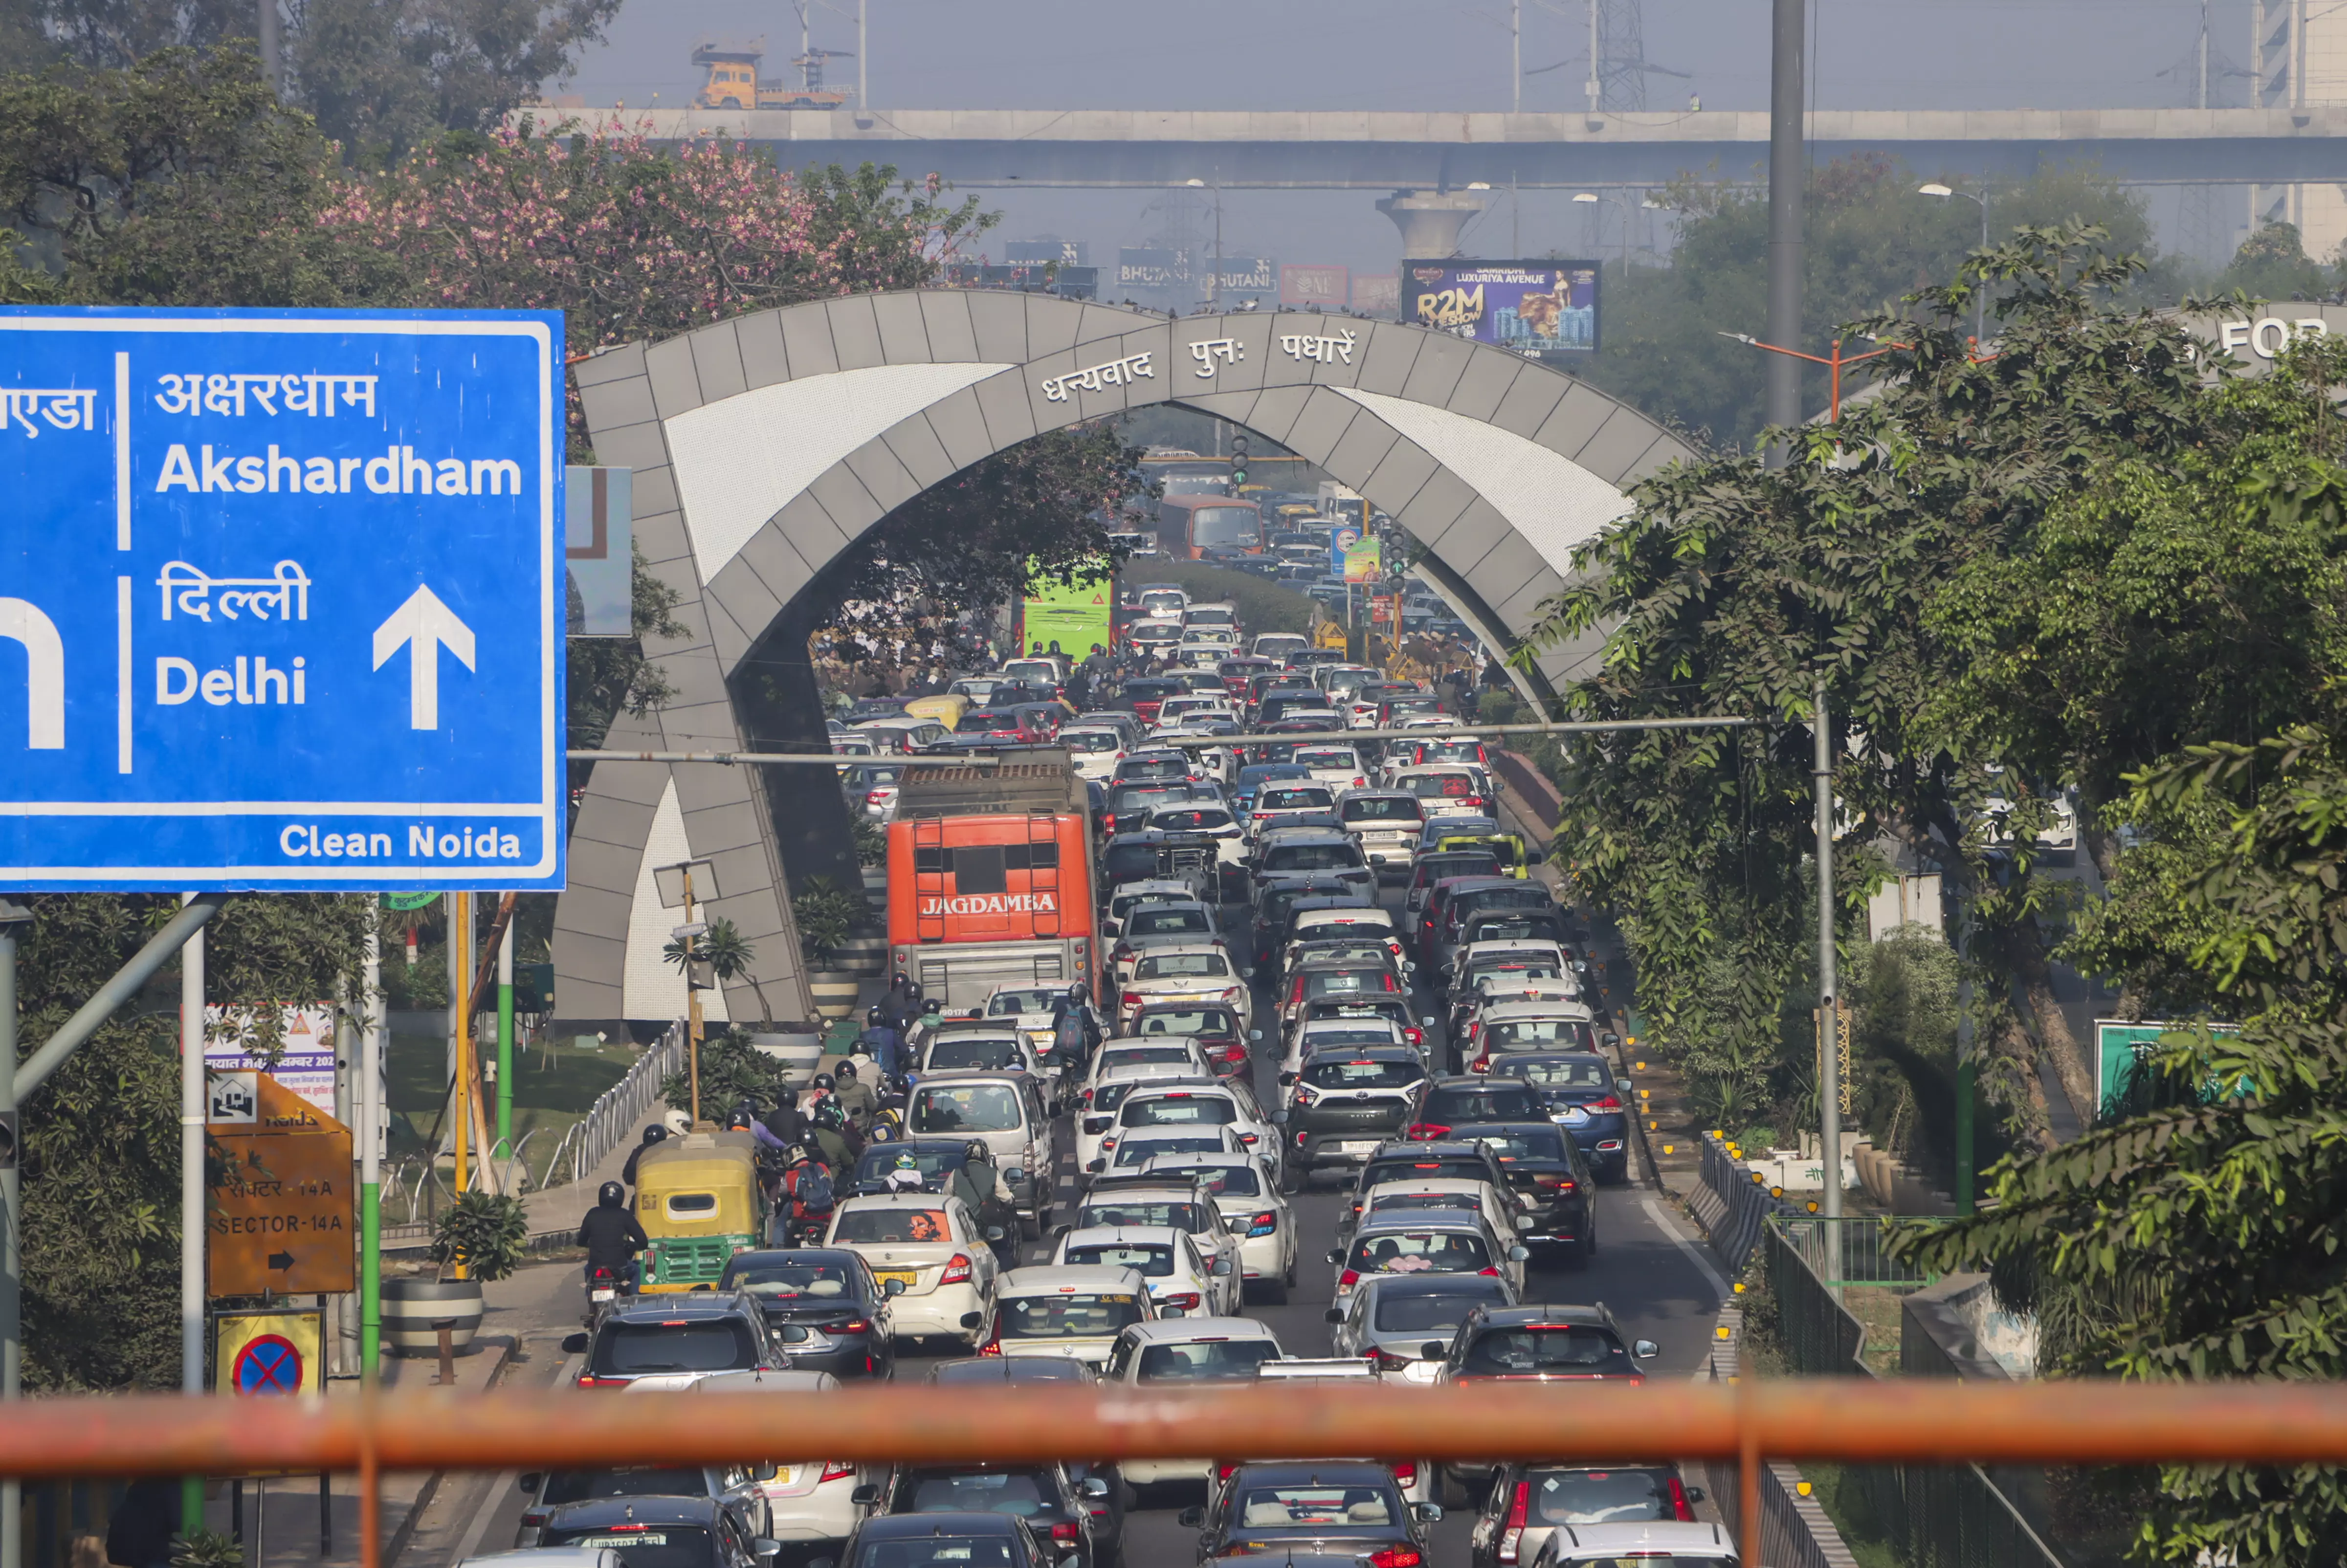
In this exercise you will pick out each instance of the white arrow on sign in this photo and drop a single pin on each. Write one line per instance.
(428, 626)
(44, 673)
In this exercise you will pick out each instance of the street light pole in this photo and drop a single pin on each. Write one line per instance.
(1828, 1046)
(191, 1198)
(12, 1288)
(1980, 294)
(1786, 175)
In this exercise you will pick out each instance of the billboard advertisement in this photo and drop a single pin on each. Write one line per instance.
(1375, 294)
(1531, 307)
(1150, 268)
(1242, 276)
(1310, 285)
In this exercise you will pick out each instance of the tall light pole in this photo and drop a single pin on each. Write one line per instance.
(1980, 295)
(862, 54)
(1214, 282)
(1828, 1046)
(1786, 175)
(1516, 54)
(12, 1529)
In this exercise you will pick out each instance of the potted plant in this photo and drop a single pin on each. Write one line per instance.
(488, 1233)
(826, 915)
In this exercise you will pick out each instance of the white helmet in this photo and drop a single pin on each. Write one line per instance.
(677, 1122)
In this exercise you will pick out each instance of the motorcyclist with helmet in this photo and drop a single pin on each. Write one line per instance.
(828, 1135)
(653, 1135)
(611, 1236)
(854, 1095)
(806, 1198)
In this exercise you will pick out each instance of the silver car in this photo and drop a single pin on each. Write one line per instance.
(1398, 1320)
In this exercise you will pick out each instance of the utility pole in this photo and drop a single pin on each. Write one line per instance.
(1829, 1052)
(191, 1198)
(370, 1134)
(12, 1262)
(266, 29)
(1595, 92)
(1516, 53)
(691, 998)
(1967, 1069)
(460, 1005)
(1786, 174)
(862, 54)
(505, 1049)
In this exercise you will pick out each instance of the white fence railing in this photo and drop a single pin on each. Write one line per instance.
(612, 1119)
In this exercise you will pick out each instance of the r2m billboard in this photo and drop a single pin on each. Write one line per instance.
(1530, 307)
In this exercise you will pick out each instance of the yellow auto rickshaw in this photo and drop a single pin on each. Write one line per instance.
(699, 1202)
(1508, 847)
(946, 709)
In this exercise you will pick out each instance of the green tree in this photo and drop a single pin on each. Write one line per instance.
(1870, 240)
(2273, 264)
(2200, 1239)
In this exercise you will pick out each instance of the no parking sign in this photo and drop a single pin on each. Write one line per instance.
(267, 1353)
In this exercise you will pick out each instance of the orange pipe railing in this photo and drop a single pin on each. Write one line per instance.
(1917, 1420)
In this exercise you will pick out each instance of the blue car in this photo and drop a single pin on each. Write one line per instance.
(1578, 1091)
(1254, 777)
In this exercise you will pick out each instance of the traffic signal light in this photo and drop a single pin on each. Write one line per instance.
(1238, 459)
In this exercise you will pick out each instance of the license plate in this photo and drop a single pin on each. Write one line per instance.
(885, 1275)
(782, 1475)
(1358, 1146)
(606, 1294)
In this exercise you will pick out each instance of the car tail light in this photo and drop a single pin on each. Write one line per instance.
(957, 1271)
(1405, 1471)
(833, 1470)
(1425, 1132)
(854, 1325)
(1223, 1471)
(1611, 1102)
(1679, 1508)
(1132, 999)
(1263, 1223)
(1387, 1361)
(1187, 1301)
(1065, 1533)
(873, 797)
(1519, 1508)
(1305, 1095)
(1557, 1184)
(531, 1518)
(1349, 1278)
(992, 1344)
(1415, 1035)
(590, 1381)
(1395, 1557)
(1494, 1272)
(1248, 1139)
(1481, 1064)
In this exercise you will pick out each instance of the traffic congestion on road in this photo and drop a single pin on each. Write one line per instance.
(1204, 1060)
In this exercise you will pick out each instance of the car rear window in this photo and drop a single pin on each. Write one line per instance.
(1180, 966)
(1524, 1143)
(892, 1223)
(986, 1055)
(1134, 1150)
(1178, 1110)
(1077, 1314)
(1440, 786)
(1342, 856)
(1541, 1034)
(965, 1108)
(935, 1552)
(1294, 797)
(1420, 1252)
(1024, 1494)
(635, 1349)
(1186, 1021)
(625, 1481)
(1575, 1348)
(1171, 1213)
(1203, 1360)
(1318, 983)
(1167, 922)
(1233, 1181)
(1383, 808)
(1362, 1073)
(644, 1545)
(1481, 1103)
(1599, 1496)
(1314, 1507)
(1416, 1312)
(1560, 1072)
(1153, 1260)
(1463, 1166)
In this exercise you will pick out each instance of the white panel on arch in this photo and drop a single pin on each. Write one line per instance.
(740, 460)
(1552, 501)
(651, 987)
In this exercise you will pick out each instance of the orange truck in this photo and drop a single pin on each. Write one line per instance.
(990, 878)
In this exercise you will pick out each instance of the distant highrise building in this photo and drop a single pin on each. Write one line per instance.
(2298, 56)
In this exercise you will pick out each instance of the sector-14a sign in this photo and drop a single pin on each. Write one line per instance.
(281, 600)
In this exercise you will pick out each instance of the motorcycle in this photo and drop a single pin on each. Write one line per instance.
(605, 1286)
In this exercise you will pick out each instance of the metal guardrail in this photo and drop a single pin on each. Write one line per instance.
(1732, 1203)
(1936, 1515)
(613, 1117)
(1853, 1249)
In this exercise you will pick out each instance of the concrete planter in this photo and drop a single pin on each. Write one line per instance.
(834, 992)
(412, 1306)
(797, 1051)
(863, 956)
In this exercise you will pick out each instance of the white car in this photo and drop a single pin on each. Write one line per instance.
(1144, 1050)
(1182, 1279)
(1164, 925)
(807, 1500)
(1498, 1207)
(1187, 971)
(1287, 797)
(1097, 1107)
(1185, 1353)
(1254, 1208)
(1094, 752)
(1172, 711)
(1338, 767)
(1536, 1025)
(1072, 1314)
(1227, 1102)
(1387, 821)
(932, 1244)
(1129, 895)
(1333, 1034)
(1132, 1149)
(1178, 1202)
(1167, 604)
(1278, 644)
(990, 1046)
(1676, 1541)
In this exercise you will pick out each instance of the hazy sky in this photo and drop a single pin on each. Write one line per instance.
(1423, 55)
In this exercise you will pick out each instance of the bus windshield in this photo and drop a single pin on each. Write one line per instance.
(1225, 526)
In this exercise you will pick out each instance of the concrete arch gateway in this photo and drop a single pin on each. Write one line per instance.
(765, 446)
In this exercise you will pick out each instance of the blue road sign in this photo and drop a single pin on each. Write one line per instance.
(282, 601)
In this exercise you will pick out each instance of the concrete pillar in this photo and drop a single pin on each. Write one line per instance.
(1430, 222)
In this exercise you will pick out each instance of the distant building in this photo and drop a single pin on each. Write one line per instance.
(2300, 58)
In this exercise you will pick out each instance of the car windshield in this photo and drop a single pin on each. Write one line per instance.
(626, 1480)
(1481, 1103)
(982, 1054)
(1019, 1492)
(1564, 1348)
(1153, 1260)
(1561, 1072)
(1221, 1181)
(1149, 1055)
(1428, 1167)
(1312, 856)
(1186, 1021)
(1436, 786)
(1383, 808)
(1180, 966)
(1200, 1360)
(822, 1279)
(1133, 1150)
(1171, 1213)
(1541, 1034)
(1345, 1034)
(632, 1349)
(891, 1222)
(1069, 1314)
(1032, 999)
(643, 1545)
(1089, 740)
(1167, 922)
(1294, 797)
(935, 1552)
(1321, 757)
(1599, 1496)
(1313, 1507)
(1345, 982)
(1361, 1072)
(1422, 1312)
(1179, 1110)
(1533, 1143)
(1420, 1252)
(965, 1108)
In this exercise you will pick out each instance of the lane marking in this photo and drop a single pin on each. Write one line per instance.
(503, 1481)
(1661, 1216)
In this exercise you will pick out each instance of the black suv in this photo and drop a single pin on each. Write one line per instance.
(659, 1533)
(1441, 1106)
(1348, 1103)
(1319, 1509)
(1462, 1159)
(661, 1334)
(1324, 854)
(825, 1307)
(1275, 896)
(1547, 1344)
(1557, 1203)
